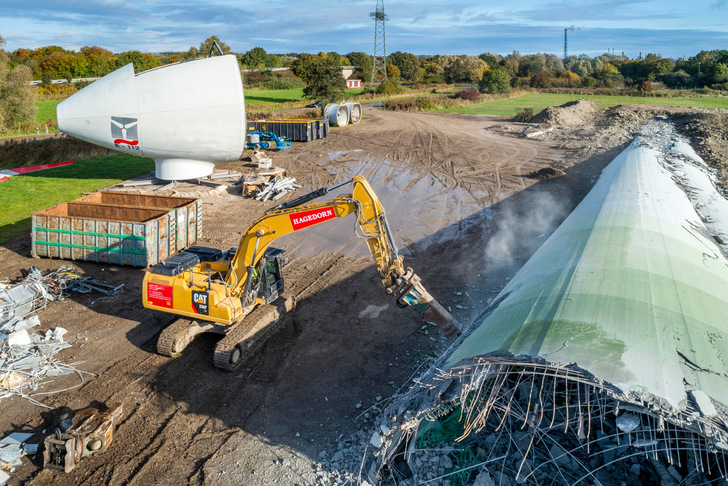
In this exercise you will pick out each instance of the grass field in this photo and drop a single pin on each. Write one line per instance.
(539, 101)
(21, 195)
(46, 110)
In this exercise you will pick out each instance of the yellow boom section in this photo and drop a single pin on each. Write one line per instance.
(371, 225)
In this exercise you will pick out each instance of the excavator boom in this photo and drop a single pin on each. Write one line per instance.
(371, 225)
(212, 288)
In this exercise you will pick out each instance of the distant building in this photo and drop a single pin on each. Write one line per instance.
(353, 83)
(347, 71)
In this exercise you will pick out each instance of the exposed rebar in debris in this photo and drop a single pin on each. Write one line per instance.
(535, 423)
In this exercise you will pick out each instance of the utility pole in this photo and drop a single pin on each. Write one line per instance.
(379, 67)
(566, 41)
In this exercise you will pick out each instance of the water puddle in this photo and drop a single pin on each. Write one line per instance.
(421, 208)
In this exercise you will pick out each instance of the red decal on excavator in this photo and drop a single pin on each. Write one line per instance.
(159, 295)
(307, 218)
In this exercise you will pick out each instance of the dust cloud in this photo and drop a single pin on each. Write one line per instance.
(522, 225)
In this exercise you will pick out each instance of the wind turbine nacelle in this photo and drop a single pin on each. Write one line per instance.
(186, 116)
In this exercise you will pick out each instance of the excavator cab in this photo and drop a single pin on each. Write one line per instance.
(270, 269)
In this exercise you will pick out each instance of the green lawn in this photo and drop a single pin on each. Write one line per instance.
(539, 101)
(46, 110)
(21, 195)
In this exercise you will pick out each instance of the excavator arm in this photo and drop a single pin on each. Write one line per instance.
(370, 224)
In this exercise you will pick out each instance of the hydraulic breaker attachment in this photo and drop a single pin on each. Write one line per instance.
(411, 293)
(91, 431)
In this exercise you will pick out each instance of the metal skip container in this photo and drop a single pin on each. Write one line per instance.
(117, 228)
(297, 129)
(338, 114)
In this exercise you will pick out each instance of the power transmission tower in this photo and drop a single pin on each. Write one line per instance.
(379, 61)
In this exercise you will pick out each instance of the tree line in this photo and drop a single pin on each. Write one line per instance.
(706, 69)
(318, 73)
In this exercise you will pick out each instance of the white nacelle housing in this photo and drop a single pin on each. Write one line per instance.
(186, 116)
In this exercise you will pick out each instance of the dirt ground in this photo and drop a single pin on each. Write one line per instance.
(465, 207)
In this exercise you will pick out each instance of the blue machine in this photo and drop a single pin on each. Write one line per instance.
(267, 140)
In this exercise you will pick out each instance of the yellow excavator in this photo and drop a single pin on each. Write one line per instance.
(238, 293)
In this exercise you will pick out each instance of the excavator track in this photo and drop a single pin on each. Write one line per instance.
(247, 336)
(175, 338)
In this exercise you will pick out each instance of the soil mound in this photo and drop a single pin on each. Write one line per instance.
(571, 114)
(546, 173)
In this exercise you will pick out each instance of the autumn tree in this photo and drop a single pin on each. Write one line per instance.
(256, 58)
(57, 65)
(363, 63)
(100, 61)
(393, 72)
(495, 81)
(408, 65)
(323, 78)
(206, 46)
(4, 59)
(460, 68)
(141, 61)
(540, 80)
(17, 99)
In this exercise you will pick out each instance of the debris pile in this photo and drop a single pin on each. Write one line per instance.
(28, 358)
(572, 114)
(506, 421)
(33, 293)
(12, 448)
(269, 184)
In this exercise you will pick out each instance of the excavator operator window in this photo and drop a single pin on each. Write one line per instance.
(274, 282)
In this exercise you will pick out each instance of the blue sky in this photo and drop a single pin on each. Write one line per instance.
(672, 28)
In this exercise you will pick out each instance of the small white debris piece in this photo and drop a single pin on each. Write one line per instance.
(3, 477)
(376, 440)
(705, 404)
(628, 422)
(257, 156)
(56, 334)
(12, 449)
(19, 338)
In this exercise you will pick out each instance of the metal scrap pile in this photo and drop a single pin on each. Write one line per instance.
(26, 357)
(33, 293)
(277, 188)
(272, 184)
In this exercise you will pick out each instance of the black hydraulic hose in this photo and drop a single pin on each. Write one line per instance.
(308, 197)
